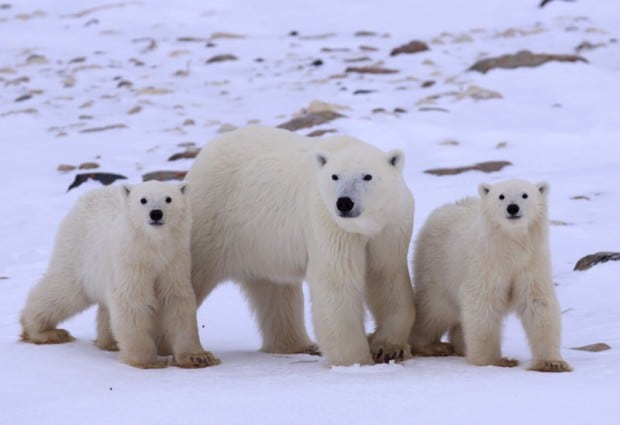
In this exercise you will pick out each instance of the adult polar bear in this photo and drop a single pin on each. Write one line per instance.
(271, 209)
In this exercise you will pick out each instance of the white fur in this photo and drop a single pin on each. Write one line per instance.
(264, 212)
(111, 250)
(475, 262)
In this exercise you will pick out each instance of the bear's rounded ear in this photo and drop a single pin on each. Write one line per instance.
(543, 188)
(126, 189)
(182, 187)
(484, 189)
(396, 158)
(321, 159)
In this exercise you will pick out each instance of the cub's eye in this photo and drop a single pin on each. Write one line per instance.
(501, 197)
(334, 177)
(367, 177)
(524, 196)
(168, 200)
(143, 201)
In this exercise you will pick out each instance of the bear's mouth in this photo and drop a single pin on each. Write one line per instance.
(156, 223)
(348, 214)
(514, 217)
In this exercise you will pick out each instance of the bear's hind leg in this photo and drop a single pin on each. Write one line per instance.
(52, 301)
(455, 336)
(279, 309)
(432, 321)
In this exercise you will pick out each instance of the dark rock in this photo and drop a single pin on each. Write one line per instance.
(104, 128)
(365, 34)
(293, 33)
(191, 40)
(524, 58)
(363, 91)
(427, 83)
(222, 58)
(23, 97)
(321, 132)
(310, 119)
(317, 62)
(485, 167)
(103, 178)
(593, 259)
(88, 166)
(189, 153)
(414, 46)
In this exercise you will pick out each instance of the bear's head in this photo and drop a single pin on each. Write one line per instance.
(155, 205)
(515, 205)
(360, 185)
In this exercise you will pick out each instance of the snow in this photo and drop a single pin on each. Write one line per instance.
(559, 121)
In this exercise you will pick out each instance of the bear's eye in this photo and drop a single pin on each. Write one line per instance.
(168, 199)
(367, 177)
(501, 197)
(334, 177)
(143, 201)
(524, 196)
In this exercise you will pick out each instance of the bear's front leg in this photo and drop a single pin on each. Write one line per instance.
(390, 298)
(177, 325)
(336, 281)
(132, 307)
(541, 318)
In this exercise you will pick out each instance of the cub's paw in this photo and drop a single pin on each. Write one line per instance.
(311, 349)
(506, 362)
(52, 336)
(106, 345)
(157, 363)
(551, 366)
(439, 349)
(195, 360)
(385, 352)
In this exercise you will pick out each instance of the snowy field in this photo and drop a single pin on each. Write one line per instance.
(128, 84)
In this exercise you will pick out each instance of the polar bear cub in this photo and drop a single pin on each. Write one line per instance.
(475, 261)
(271, 209)
(127, 250)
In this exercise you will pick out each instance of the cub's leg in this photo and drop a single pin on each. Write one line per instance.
(105, 340)
(279, 309)
(54, 299)
(434, 317)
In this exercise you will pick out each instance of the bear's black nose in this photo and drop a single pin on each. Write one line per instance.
(512, 209)
(344, 204)
(156, 215)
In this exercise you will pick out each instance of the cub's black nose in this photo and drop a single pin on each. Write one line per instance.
(344, 204)
(156, 215)
(512, 209)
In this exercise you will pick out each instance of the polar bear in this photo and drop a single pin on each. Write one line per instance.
(271, 209)
(475, 261)
(127, 250)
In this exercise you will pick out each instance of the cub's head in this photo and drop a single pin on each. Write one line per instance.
(156, 205)
(515, 205)
(360, 186)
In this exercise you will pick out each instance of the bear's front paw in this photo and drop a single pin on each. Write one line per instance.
(311, 349)
(195, 360)
(385, 352)
(551, 366)
(106, 345)
(52, 336)
(506, 362)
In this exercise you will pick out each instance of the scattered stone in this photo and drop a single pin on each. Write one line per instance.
(7, 70)
(501, 145)
(580, 198)
(164, 175)
(149, 47)
(370, 70)
(360, 59)
(88, 166)
(191, 40)
(524, 58)
(225, 128)
(85, 117)
(318, 36)
(36, 60)
(450, 143)
(186, 144)
(586, 46)
(220, 35)
(414, 46)
(65, 168)
(593, 348)
(153, 91)
(189, 122)
(321, 132)
(79, 59)
(181, 73)
(104, 128)
(363, 91)
(124, 83)
(317, 62)
(478, 93)
(593, 259)
(334, 49)
(103, 178)
(188, 153)
(432, 109)
(23, 97)
(400, 111)
(366, 48)
(19, 111)
(4, 277)
(100, 8)
(222, 58)
(365, 34)
(320, 106)
(135, 110)
(427, 83)
(310, 119)
(378, 110)
(485, 167)
(560, 223)
(17, 81)
(136, 62)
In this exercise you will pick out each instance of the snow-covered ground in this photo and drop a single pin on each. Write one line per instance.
(142, 66)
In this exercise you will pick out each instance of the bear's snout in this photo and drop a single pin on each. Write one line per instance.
(513, 209)
(345, 204)
(156, 215)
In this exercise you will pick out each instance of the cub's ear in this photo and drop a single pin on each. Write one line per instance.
(127, 189)
(321, 159)
(484, 189)
(182, 187)
(396, 158)
(543, 188)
